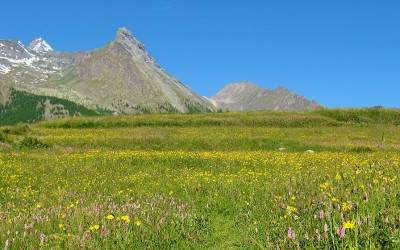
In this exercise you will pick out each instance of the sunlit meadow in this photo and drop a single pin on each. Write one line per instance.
(216, 181)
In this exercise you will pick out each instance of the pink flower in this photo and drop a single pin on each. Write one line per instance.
(341, 232)
(291, 234)
(321, 214)
(42, 236)
(318, 234)
(325, 228)
(306, 236)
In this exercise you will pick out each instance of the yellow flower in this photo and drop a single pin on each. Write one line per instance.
(61, 226)
(71, 206)
(255, 222)
(338, 177)
(96, 227)
(38, 206)
(138, 223)
(171, 192)
(346, 206)
(291, 209)
(126, 218)
(110, 217)
(349, 225)
(325, 185)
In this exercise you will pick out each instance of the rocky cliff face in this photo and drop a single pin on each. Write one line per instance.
(243, 96)
(121, 77)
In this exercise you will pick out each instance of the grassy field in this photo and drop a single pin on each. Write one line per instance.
(327, 179)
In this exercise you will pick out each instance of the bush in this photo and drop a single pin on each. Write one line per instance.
(3, 137)
(20, 129)
(362, 149)
(31, 143)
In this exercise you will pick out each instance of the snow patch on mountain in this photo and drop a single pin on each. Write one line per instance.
(4, 69)
(27, 61)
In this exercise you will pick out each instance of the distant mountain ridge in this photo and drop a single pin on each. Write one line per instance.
(246, 96)
(119, 78)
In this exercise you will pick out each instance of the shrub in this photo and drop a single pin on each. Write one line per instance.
(362, 149)
(31, 143)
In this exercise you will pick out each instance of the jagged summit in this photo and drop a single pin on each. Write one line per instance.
(125, 38)
(130, 43)
(40, 46)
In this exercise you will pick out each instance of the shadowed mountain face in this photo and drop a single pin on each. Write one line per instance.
(121, 77)
(242, 96)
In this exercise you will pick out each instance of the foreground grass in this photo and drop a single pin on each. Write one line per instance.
(201, 187)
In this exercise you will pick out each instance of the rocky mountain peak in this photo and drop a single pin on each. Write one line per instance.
(125, 38)
(40, 46)
(133, 46)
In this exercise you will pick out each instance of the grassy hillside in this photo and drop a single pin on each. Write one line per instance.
(326, 179)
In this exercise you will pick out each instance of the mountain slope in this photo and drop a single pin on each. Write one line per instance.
(242, 96)
(121, 77)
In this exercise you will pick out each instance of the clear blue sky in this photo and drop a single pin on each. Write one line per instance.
(341, 53)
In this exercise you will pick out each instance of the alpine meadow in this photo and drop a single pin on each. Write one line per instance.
(322, 179)
(214, 125)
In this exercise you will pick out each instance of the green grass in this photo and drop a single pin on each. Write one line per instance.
(202, 181)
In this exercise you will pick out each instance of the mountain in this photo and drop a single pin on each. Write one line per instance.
(242, 96)
(120, 77)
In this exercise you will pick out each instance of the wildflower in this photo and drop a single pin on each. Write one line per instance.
(306, 236)
(126, 218)
(42, 236)
(110, 217)
(291, 209)
(171, 192)
(321, 214)
(338, 177)
(349, 225)
(71, 206)
(341, 232)
(325, 185)
(346, 206)
(38, 206)
(318, 234)
(325, 228)
(96, 227)
(255, 222)
(291, 234)
(61, 226)
(138, 223)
